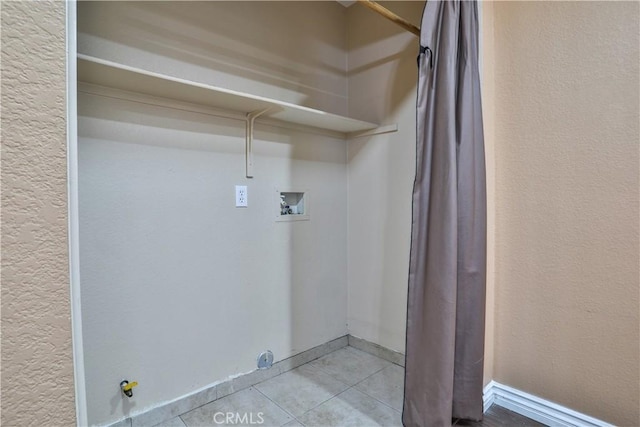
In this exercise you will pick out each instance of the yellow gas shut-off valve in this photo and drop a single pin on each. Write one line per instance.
(127, 387)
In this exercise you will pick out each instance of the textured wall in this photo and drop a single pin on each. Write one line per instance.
(37, 367)
(566, 102)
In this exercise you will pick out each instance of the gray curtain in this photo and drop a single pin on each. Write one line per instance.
(445, 311)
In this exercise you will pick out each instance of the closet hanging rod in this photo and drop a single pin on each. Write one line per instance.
(391, 16)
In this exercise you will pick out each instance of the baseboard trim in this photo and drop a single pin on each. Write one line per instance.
(536, 408)
(520, 402)
(376, 350)
(168, 410)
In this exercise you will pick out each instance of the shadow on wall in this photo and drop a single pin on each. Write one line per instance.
(281, 45)
(224, 135)
(382, 63)
(382, 88)
(316, 258)
(394, 91)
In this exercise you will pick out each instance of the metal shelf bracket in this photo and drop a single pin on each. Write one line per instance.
(250, 119)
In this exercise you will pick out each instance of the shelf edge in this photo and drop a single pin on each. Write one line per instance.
(240, 95)
(377, 131)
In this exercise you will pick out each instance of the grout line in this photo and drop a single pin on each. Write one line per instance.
(377, 400)
(344, 347)
(254, 385)
(353, 385)
(332, 377)
(349, 387)
(373, 397)
(316, 358)
(323, 402)
(376, 372)
(198, 407)
(379, 370)
(276, 403)
(289, 413)
(321, 369)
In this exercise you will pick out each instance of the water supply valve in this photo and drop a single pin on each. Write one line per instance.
(127, 387)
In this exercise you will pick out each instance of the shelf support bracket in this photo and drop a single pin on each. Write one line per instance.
(251, 117)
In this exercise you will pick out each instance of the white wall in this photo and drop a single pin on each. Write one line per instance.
(181, 289)
(382, 87)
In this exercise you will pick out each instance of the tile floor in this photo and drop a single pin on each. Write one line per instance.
(345, 388)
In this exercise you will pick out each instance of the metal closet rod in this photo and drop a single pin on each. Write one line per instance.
(391, 16)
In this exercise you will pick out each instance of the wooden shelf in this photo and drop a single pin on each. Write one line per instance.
(110, 74)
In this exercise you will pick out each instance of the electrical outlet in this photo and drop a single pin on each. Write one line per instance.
(241, 196)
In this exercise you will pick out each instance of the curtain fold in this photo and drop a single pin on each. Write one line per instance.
(446, 299)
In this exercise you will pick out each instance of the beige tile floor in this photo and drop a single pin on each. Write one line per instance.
(345, 388)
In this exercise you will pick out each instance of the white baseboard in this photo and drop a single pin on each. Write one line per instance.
(536, 408)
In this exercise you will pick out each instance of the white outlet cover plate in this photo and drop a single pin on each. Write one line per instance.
(242, 200)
